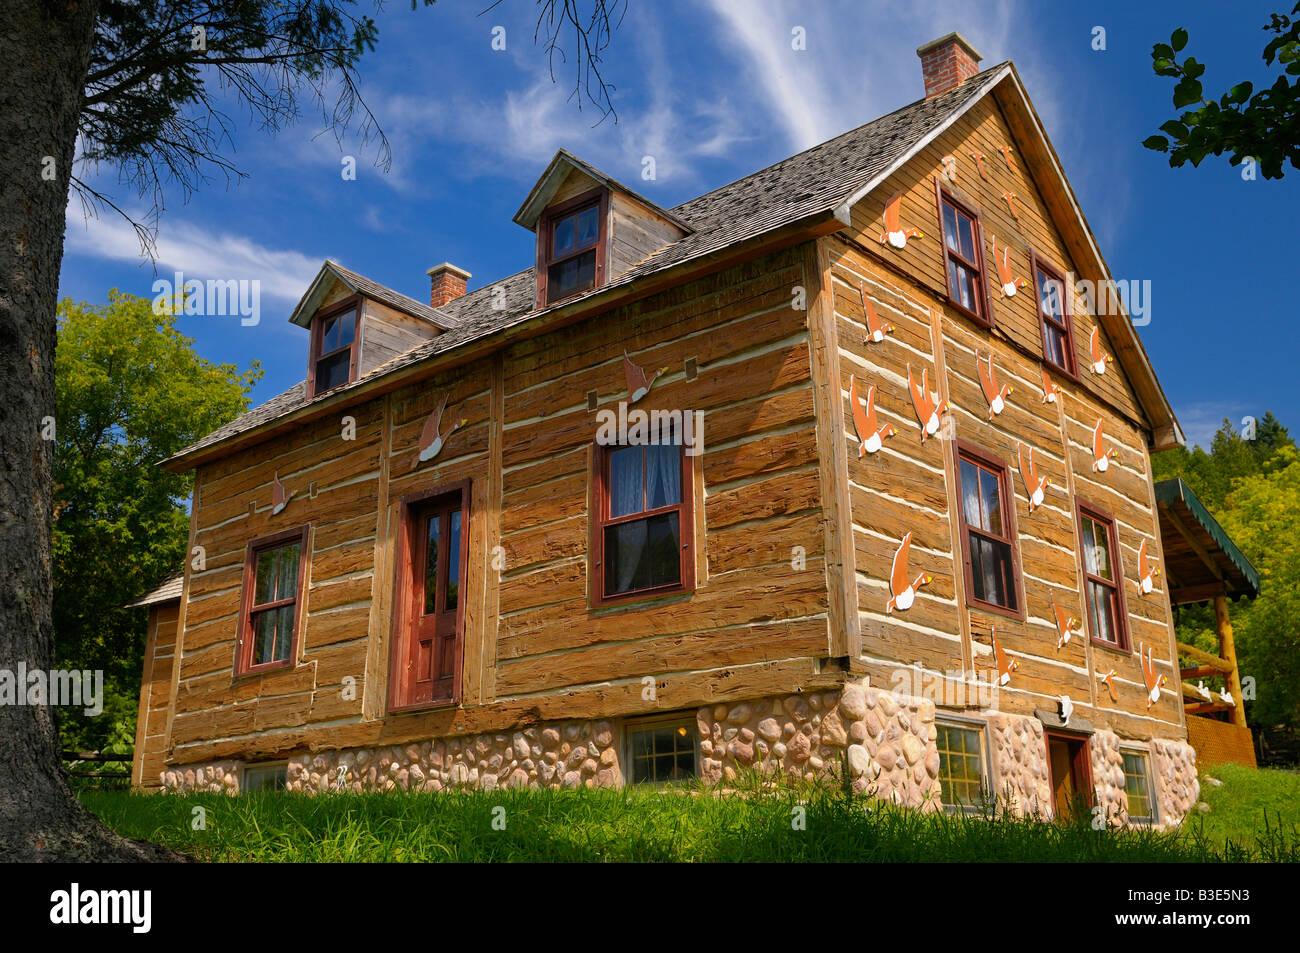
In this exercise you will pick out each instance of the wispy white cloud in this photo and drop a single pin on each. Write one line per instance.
(196, 251)
(1200, 420)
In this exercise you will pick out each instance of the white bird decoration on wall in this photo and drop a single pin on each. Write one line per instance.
(279, 499)
(638, 384)
(1067, 709)
(433, 438)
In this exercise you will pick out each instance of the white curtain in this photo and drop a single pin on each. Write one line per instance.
(663, 476)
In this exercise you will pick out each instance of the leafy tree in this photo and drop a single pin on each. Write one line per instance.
(129, 391)
(1253, 489)
(1263, 125)
(128, 78)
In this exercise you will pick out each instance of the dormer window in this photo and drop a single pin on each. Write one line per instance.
(334, 347)
(573, 246)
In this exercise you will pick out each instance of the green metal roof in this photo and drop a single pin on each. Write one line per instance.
(1240, 577)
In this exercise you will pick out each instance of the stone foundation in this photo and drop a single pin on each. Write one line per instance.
(884, 741)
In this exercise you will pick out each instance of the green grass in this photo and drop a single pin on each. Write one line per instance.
(672, 825)
(1248, 807)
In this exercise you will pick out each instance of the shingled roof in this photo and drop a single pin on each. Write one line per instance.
(821, 179)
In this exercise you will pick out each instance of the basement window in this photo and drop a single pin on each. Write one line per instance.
(662, 750)
(1137, 785)
(571, 246)
(264, 777)
(962, 765)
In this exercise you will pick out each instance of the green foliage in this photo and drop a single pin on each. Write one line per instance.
(1262, 125)
(1249, 807)
(1252, 487)
(130, 391)
(639, 824)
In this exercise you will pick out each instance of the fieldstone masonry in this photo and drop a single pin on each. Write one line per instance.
(885, 740)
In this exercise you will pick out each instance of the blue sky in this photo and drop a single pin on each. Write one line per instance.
(713, 91)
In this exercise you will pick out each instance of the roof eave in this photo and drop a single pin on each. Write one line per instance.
(813, 225)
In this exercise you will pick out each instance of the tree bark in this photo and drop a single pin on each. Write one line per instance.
(44, 53)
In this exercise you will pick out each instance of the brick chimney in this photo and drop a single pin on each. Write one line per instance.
(446, 283)
(947, 61)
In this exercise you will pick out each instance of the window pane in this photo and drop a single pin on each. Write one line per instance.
(272, 631)
(663, 475)
(990, 493)
(264, 590)
(966, 237)
(991, 573)
(333, 371)
(1137, 786)
(642, 554)
(572, 275)
(1097, 548)
(663, 754)
(587, 227)
(1101, 608)
(961, 771)
(970, 494)
(287, 577)
(453, 561)
(950, 227)
(564, 233)
(1049, 296)
(965, 285)
(1057, 346)
(626, 489)
(431, 565)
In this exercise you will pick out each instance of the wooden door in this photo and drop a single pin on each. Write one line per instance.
(1071, 775)
(430, 642)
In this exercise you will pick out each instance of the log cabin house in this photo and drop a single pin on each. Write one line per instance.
(912, 535)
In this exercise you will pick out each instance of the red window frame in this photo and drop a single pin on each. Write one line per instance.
(408, 588)
(1044, 319)
(352, 303)
(244, 641)
(546, 239)
(984, 306)
(990, 463)
(1097, 515)
(685, 509)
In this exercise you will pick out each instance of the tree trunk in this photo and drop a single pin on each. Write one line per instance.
(44, 52)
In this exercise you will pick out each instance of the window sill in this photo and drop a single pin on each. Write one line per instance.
(1118, 649)
(993, 608)
(987, 323)
(641, 595)
(268, 669)
(435, 705)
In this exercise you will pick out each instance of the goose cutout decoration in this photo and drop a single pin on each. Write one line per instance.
(995, 395)
(1109, 681)
(1005, 664)
(876, 329)
(871, 436)
(927, 411)
(1226, 697)
(1050, 390)
(1035, 486)
(1101, 454)
(1202, 690)
(1147, 571)
(433, 438)
(279, 499)
(1010, 283)
(949, 168)
(979, 164)
(1153, 681)
(1011, 204)
(1099, 358)
(638, 385)
(1067, 709)
(894, 234)
(1006, 154)
(901, 586)
(1064, 624)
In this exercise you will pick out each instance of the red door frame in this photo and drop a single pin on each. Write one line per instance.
(408, 591)
(1080, 764)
